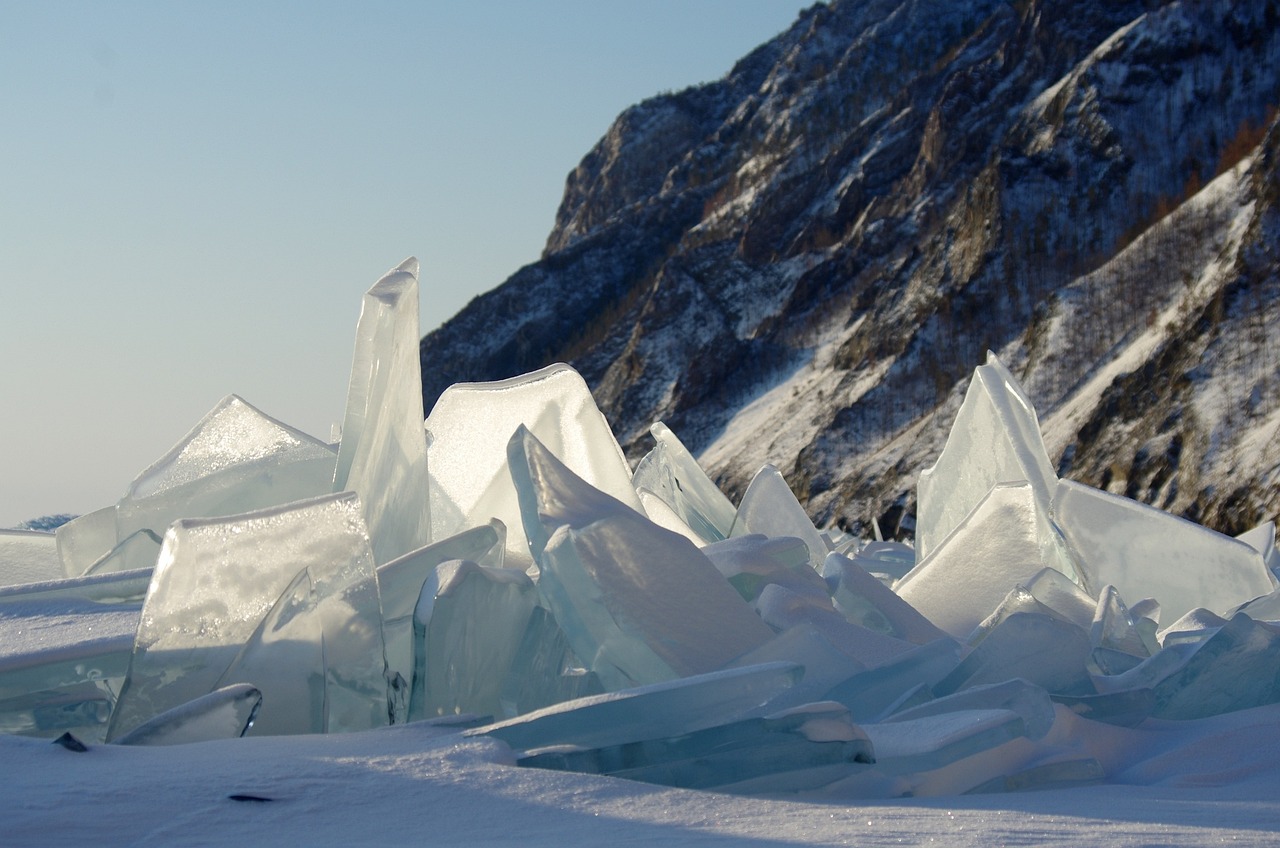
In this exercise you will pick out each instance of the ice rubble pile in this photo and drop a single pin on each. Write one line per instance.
(631, 623)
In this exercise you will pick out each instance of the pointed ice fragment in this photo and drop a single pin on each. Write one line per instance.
(236, 459)
(84, 540)
(1038, 648)
(224, 713)
(867, 602)
(869, 693)
(383, 453)
(671, 473)
(471, 424)
(1146, 552)
(782, 609)
(1113, 627)
(1263, 540)
(769, 507)
(138, 551)
(753, 561)
(215, 581)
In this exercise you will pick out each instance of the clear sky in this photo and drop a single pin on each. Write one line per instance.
(194, 196)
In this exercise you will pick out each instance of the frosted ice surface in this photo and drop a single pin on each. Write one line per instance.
(225, 713)
(400, 584)
(672, 473)
(215, 581)
(1019, 600)
(471, 425)
(236, 459)
(27, 556)
(769, 507)
(1146, 552)
(966, 575)
(472, 619)
(54, 643)
(1026, 699)
(656, 711)
(809, 737)
(1043, 650)
(138, 551)
(84, 540)
(782, 609)
(545, 670)
(1263, 540)
(867, 602)
(870, 693)
(383, 452)
(995, 439)
(753, 561)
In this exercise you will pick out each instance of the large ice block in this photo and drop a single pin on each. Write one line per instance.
(770, 507)
(471, 425)
(824, 664)
(118, 587)
(1236, 668)
(965, 576)
(400, 584)
(27, 556)
(383, 452)
(995, 439)
(236, 459)
(782, 609)
(1041, 649)
(867, 602)
(672, 473)
(217, 579)
(52, 643)
(471, 619)
(224, 713)
(1263, 540)
(1146, 552)
(655, 711)
(84, 540)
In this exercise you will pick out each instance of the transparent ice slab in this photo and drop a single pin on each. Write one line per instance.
(471, 425)
(27, 556)
(867, 602)
(1041, 649)
(545, 670)
(753, 561)
(1026, 699)
(53, 643)
(1238, 667)
(888, 562)
(84, 540)
(665, 517)
(471, 619)
(638, 603)
(383, 452)
(769, 507)
(120, 587)
(868, 694)
(1146, 552)
(1113, 627)
(932, 742)
(966, 575)
(1126, 708)
(672, 473)
(236, 459)
(824, 664)
(810, 737)
(224, 713)
(656, 711)
(782, 609)
(1263, 540)
(80, 708)
(138, 551)
(216, 580)
(995, 439)
(400, 584)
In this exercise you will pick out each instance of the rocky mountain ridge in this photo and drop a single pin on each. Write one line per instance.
(803, 262)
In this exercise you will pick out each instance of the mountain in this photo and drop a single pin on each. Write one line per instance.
(803, 262)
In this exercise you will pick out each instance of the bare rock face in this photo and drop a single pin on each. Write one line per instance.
(803, 262)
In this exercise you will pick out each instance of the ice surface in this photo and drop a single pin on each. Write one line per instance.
(751, 562)
(27, 556)
(383, 452)
(138, 551)
(224, 713)
(114, 587)
(236, 459)
(931, 742)
(782, 609)
(1041, 649)
(867, 602)
(84, 540)
(994, 439)
(545, 670)
(470, 426)
(1113, 627)
(656, 711)
(869, 694)
(400, 584)
(1145, 552)
(471, 619)
(1263, 540)
(1236, 668)
(1026, 699)
(672, 474)
(215, 581)
(824, 664)
(966, 575)
(769, 507)
(638, 603)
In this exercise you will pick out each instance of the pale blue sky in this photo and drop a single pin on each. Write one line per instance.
(194, 197)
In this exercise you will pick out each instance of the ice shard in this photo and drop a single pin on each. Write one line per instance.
(138, 551)
(470, 426)
(545, 670)
(672, 473)
(1263, 540)
(400, 584)
(383, 452)
(656, 711)
(769, 507)
(224, 713)
(1026, 699)
(1113, 627)
(754, 561)
(867, 602)
(215, 581)
(1041, 649)
(782, 609)
(1236, 668)
(54, 643)
(966, 575)
(28, 556)
(929, 743)
(472, 619)
(869, 694)
(995, 439)
(84, 540)
(118, 587)
(1146, 552)
(824, 664)
(236, 459)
